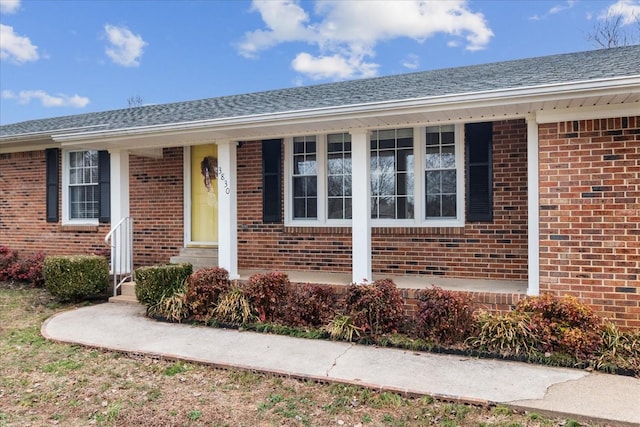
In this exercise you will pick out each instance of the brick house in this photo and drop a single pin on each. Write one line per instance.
(501, 180)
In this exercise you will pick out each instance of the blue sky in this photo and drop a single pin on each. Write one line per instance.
(71, 57)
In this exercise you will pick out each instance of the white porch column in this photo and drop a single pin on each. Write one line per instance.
(361, 207)
(121, 238)
(227, 208)
(533, 197)
(119, 175)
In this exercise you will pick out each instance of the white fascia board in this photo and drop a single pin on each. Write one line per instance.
(622, 85)
(588, 113)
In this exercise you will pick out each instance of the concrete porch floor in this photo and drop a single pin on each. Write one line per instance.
(405, 282)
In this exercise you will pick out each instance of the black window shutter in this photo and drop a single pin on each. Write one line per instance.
(104, 185)
(52, 159)
(479, 176)
(271, 179)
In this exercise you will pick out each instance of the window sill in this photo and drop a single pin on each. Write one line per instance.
(85, 228)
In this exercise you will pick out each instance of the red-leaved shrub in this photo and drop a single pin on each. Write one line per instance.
(444, 316)
(376, 308)
(203, 288)
(7, 259)
(309, 305)
(268, 294)
(563, 324)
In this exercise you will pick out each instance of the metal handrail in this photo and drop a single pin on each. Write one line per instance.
(120, 240)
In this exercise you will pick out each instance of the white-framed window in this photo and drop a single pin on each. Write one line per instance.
(440, 172)
(339, 176)
(392, 174)
(416, 178)
(80, 187)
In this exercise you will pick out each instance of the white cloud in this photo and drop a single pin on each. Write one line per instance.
(125, 48)
(412, 61)
(16, 48)
(628, 10)
(46, 100)
(562, 7)
(9, 6)
(347, 32)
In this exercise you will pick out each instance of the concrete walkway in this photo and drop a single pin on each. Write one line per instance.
(570, 393)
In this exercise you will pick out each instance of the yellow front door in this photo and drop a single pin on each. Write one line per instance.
(204, 195)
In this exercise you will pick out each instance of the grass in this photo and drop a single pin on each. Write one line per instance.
(46, 383)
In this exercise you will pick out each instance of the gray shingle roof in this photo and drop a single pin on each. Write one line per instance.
(565, 68)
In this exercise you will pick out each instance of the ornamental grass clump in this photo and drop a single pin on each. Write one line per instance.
(375, 308)
(504, 334)
(444, 316)
(203, 289)
(234, 308)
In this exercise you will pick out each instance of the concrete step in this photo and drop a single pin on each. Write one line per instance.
(197, 257)
(124, 299)
(127, 294)
(128, 289)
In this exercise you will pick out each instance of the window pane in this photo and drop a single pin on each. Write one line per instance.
(440, 172)
(335, 208)
(392, 175)
(433, 182)
(448, 157)
(448, 181)
(449, 206)
(311, 184)
(433, 206)
(335, 186)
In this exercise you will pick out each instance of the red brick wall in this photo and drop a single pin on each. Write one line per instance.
(496, 250)
(23, 225)
(274, 246)
(488, 250)
(590, 214)
(156, 189)
(156, 204)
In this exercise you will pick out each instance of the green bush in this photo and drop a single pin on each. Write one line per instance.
(203, 289)
(444, 316)
(76, 277)
(161, 281)
(375, 308)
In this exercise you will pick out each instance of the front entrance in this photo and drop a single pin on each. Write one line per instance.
(204, 195)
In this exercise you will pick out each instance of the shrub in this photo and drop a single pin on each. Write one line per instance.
(203, 290)
(268, 293)
(444, 316)
(309, 305)
(563, 325)
(7, 259)
(376, 308)
(505, 334)
(28, 269)
(155, 282)
(75, 277)
(234, 307)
